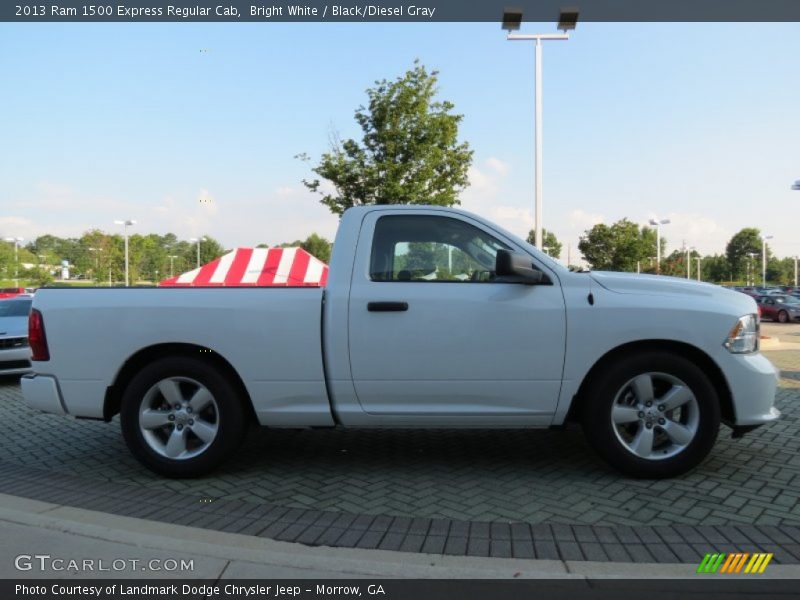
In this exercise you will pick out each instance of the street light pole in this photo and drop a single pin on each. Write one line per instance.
(764, 239)
(689, 262)
(511, 21)
(17, 241)
(698, 259)
(658, 223)
(795, 271)
(198, 240)
(172, 258)
(751, 272)
(125, 224)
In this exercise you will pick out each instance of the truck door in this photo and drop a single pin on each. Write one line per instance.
(433, 337)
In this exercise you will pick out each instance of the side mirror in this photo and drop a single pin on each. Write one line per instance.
(515, 267)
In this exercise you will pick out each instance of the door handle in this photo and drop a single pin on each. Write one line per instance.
(387, 306)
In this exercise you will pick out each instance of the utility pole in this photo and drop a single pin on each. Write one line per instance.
(512, 18)
(764, 259)
(658, 223)
(125, 224)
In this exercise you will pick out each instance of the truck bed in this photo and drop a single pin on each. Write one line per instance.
(271, 337)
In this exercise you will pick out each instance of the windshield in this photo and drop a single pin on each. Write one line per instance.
(15, 308)
(551, 262)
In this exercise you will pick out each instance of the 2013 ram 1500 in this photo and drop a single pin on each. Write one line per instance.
(431, 317)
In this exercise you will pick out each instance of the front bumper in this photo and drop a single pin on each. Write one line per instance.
(41, 392)
(753, 381)
(15, 361)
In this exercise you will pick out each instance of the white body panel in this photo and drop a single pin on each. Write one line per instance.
(271, 337)
(461, 350)
(463, 355)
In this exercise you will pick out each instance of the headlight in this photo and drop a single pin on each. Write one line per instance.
(743, 338)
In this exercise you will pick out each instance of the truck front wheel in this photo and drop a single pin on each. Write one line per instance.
(180, 417)
(652, 415)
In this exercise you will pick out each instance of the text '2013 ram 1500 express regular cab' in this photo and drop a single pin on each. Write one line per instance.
(431, 318)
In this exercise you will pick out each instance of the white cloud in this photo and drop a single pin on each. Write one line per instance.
(205, 197)
(500, 167)
(581, 220)
(29, 230)
(486, 197)
(697, 230)
(286, 191)
(480, 181)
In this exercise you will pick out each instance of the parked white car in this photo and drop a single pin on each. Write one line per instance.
(15, 354)
(432, 318)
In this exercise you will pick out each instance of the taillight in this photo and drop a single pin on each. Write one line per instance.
(36, 337)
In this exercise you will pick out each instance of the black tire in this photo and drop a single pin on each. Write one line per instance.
(783, 317)
(229, 411)
(602, 395)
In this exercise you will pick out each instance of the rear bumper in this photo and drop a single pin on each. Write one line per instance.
(41, 392)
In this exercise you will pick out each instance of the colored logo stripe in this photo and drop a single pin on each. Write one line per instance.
(734, 562)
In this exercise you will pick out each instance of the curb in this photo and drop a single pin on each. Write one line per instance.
(247, 556)
(424, 536)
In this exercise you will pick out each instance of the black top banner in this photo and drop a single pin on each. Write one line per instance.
(237, 11)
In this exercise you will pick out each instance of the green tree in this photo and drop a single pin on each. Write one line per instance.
(314, 244)
(618, 247)
(410, 153)
(549, 241)
(714, 268)
(210, 249)
(6, 261)
(746, 241)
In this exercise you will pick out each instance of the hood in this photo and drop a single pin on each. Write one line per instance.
(13, 327)
(634, 283)
(692, 293)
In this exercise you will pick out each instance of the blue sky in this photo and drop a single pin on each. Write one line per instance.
(695, 122)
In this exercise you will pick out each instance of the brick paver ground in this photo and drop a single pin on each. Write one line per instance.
(535, 494)
(533, 477)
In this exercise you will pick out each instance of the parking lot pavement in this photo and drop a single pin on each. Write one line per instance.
(787, 334)
(423, 483)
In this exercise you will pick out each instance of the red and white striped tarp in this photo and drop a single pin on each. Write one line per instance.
(257, 267)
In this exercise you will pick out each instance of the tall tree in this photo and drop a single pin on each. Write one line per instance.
(549, 241)
(410, 153)
(714, 268)
(747, 241)
(618, 247)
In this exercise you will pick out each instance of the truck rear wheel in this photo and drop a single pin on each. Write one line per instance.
(652, 415)
(181, 417)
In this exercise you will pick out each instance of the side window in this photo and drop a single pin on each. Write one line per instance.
(431, 249)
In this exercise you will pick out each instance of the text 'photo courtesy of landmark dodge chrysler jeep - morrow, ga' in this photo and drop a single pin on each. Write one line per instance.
(431, 318)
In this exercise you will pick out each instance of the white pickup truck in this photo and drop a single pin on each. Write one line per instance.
(431, 318)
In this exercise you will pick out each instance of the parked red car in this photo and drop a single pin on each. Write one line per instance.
(783, 309)
(11, 292)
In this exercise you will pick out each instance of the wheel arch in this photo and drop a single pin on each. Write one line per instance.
(695, 354)
(145, 356)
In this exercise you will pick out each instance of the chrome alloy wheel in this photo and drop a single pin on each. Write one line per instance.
(179, 418)
(655, 416)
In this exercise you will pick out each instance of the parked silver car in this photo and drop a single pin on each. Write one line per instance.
(15, 354)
